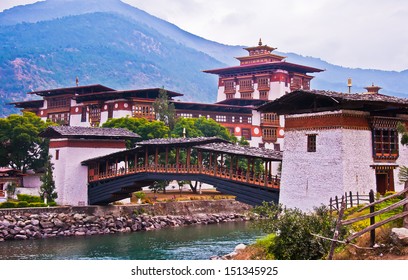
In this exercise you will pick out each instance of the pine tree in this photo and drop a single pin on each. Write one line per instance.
(164, 110)
(47, 188)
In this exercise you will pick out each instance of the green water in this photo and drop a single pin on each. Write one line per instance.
(183, 243)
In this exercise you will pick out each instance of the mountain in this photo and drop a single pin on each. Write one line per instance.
(47, 44)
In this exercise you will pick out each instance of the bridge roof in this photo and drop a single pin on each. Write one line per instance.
(246, 151)
(181, 142)
(87, 133)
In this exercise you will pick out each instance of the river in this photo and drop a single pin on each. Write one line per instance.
(198, 242)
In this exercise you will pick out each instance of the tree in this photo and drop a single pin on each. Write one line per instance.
(404, 133)
(21, 147)
(143, 127)
(164, 110)
(47, 188)
(159, 186)
(201, 127)
(293, 231)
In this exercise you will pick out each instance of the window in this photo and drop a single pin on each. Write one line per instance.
(56, 154)
(185, 115)
(141, 110)
(270, 118)
(246, 95)
(263, 94)
(269, 134)
(58, 102)
(95, 115)
(250, 120)
(220, 118)
(230, 95)
(83, 114)
(311, 143)
(263, 83)
(246, 133)
(59, 118)
(110, 111)
(229, 86)
(385, 143)
(246, 85)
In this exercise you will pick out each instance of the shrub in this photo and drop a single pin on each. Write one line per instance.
(37, 204)
(293, 229)
(140, 195)
(29, 198)
(8, 204)
(52, 203)
(22, 204)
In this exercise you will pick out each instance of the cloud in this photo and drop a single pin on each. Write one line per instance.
(358, 33)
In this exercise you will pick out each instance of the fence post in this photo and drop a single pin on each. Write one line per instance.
(351, 199)
(406, 207)
(337, 229)
(337, 203)
(345, 195)
(372, 219)
(358, 200)
(331, 206)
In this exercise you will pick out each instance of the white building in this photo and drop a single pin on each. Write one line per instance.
(69, 146)
(337, 143)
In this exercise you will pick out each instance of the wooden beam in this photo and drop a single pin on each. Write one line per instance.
(376, 225)
(384, 199)
(376, 213)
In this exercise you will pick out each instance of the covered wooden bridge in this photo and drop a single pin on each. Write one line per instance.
(245, 172)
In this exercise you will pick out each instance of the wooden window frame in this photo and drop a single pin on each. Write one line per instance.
(311, 143)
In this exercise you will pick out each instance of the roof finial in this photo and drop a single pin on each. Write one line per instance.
(260, 42)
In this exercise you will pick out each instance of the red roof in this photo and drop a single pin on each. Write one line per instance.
(72, 90)
(265, 66)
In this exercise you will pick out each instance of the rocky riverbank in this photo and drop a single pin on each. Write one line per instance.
(22, 225)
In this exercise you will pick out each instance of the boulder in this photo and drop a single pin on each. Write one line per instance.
(240, 247)
(20, 237)
(46, 224)
(399, 236)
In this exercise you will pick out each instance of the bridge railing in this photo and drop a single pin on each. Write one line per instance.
(222, 173)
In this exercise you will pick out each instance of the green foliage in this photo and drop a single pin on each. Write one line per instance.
(403, 130)
(146, 129)
(293, 229)
(21, 147)
(11, 189)
(200, 127)
(403, 174)
(164, 110)
(37, 204)
(52, 203)
(22, 204)
(47, 188)
(158, 186)
(140, 194)
(267, 243)
(29, 198)
(8, 204)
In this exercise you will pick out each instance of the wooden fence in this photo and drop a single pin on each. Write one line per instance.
(371, 216)
(351, 200)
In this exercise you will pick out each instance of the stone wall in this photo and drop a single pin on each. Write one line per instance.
(35, 223)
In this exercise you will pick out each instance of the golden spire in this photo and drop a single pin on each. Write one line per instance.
(260, 42)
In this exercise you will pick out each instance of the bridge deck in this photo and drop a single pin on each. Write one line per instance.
(230, 168)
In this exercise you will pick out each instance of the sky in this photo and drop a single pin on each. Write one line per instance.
(352, 33)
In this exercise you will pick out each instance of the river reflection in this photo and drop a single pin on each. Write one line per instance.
(185, 243)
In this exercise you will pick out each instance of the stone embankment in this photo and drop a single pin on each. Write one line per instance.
(25, 224)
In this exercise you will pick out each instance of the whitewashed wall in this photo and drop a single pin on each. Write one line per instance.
(310, 178)
(71, 178)
(358, 175)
